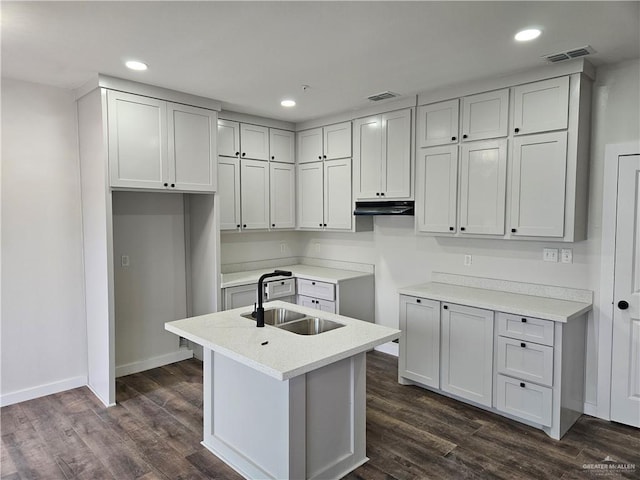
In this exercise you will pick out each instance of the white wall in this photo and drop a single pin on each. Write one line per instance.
(43, 336)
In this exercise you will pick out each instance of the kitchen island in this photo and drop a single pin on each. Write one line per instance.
(279, 404)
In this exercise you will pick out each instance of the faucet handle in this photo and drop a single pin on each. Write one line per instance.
(254, 314)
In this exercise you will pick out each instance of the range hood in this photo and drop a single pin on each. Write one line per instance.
(388, 207)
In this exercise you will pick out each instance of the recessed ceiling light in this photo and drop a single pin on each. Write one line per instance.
(528, 34)
(288, 103)
(135, 65)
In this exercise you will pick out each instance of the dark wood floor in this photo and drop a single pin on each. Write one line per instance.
(155, 430)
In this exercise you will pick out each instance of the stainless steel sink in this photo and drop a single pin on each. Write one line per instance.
(310, 326)
(277, 316)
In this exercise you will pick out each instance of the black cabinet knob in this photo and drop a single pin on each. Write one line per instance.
(445, 307)
(517, 130)
(451, 229)
(382, 194)
(454, 139)
(378, 194)
(244, 226)
(313, 283)
(237, 153)
(319, 157)
(623, 304)
(523, 345)
(513, 230)
(238, 226)
(464, 136)
(173, 185)
(462, 229)
(273, 224)
(273, 157)
(243, 154)
(523, 320)
(319, 224)
(324, 156)
(166, 184)
(281, 283)
(324, 225)
(418, 301)
(522, 384)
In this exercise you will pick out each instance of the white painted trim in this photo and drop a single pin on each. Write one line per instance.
(154, 362)
(42, 390)
(106, 404)
(391, 348)
(604, 314)
(590, 409)
(256, 120)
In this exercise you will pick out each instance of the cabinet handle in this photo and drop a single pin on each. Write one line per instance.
(517, 130)
(451, 229)
(623, 304)
(166, 184)
(324, 224)
(273, 224)
(378, 194)
(238, 226)
(319, 157)
(173, 185)
(453, 139)
(313, 283)
(464, 136)
(319, 224)
(244, 226)
(523, 320)
(324, 156)
(523, 345)
(513, 230)
(237, 153)
(522, 384)
(418, 300)
(281, 283)
(243, 154)
(445, 307)
(382, 194)
(462, 229)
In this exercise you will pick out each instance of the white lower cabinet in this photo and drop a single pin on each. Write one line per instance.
(525, 400)
(240, 296)
(467, 352)
(323, 305)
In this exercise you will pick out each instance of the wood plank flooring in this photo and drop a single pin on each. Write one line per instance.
(154, 433)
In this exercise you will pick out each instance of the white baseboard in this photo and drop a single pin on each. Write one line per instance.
(391, 348)
(154, 362)
(42, 390)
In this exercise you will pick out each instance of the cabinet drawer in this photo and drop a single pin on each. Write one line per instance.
(525, 328)
(311, 288)
(525, 360)
(280, 288)
(525, 400)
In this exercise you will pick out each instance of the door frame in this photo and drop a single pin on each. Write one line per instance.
(607, 271)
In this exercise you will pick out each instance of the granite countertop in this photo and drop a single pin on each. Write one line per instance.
(507, 302)
(286, 355)
(320, 274)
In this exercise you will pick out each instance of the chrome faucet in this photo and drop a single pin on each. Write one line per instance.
(259, 312)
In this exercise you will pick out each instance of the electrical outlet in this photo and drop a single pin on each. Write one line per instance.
(124, 261)
(566, 255)
(467, 260)
(550, 254)
(283, 247)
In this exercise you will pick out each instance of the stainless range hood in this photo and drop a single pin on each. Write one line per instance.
(384, 208)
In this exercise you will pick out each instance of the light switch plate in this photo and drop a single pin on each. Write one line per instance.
(124, 261)
(467, 260)
(550, 254)
(566, 255)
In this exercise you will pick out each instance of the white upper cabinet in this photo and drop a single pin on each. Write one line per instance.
(228, 138)
(338, 212)
(538, 180)
(154, 144)
(309, 145)
(281, 145)
(382, 156)
(485, 115)
(437, 189)
(192, 148)
(229, 192)
(282, 185)
(254, 142)
(541, 106)
(254, 194)
(337, 141)
(437, 124)
(483, 178)
(310, 200)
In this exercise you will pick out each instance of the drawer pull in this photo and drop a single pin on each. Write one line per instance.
(418, 301)
(445, 307)
(524, 320)
(523, 345)
(522, 384)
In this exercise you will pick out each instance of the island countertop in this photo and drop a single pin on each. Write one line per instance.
(285, 354)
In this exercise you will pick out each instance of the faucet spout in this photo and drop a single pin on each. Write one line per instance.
(260, 310)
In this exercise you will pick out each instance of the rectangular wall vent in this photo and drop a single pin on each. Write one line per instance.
(382, 96)
(569, 54)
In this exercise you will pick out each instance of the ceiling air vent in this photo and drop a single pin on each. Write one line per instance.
(382, 96)
(569, 54)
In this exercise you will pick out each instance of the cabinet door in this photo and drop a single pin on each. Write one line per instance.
(309, 145)
(485, 115)
(367, 154)
(326, 306)
(229, 192)
(438, 124)
(338, 205)
(282, 184)
(541, 106)
(420, 340)
(396, 148)
(254, 142)
(240, 296)
(482, 187)
(137, 138)
(310, 199)
(437, 189)
(538, 185)
(254, 194)
(192, 148)
(467, 352)
(306, 301)
(337, 141)
(281, 145)
(228, 138)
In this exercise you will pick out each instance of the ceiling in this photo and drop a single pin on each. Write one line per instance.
(251, 55)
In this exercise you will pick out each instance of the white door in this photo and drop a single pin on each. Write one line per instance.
(367, 154)
(337, 194)
(309, 146)
(337, 141)
(254, 142)
(437, 189)
(282, 184)
(192, 148)
(281, 145)
(396, 148)
(541, 106)
(228, 138)
(625, 374)
(310, 200)
(229, 192)
(437, 124)
(485, 115)
(483, 180)
(420, 340)
(254, 194)
(137, 132)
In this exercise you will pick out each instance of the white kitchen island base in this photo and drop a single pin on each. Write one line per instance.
(310, 426)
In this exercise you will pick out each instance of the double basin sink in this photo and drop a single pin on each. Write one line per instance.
(296, 322)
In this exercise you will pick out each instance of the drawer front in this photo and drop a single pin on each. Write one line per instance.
(312, 288)
(524, 400)
(526, 328)
(280, 288)
(324, 305)
(525, 360)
